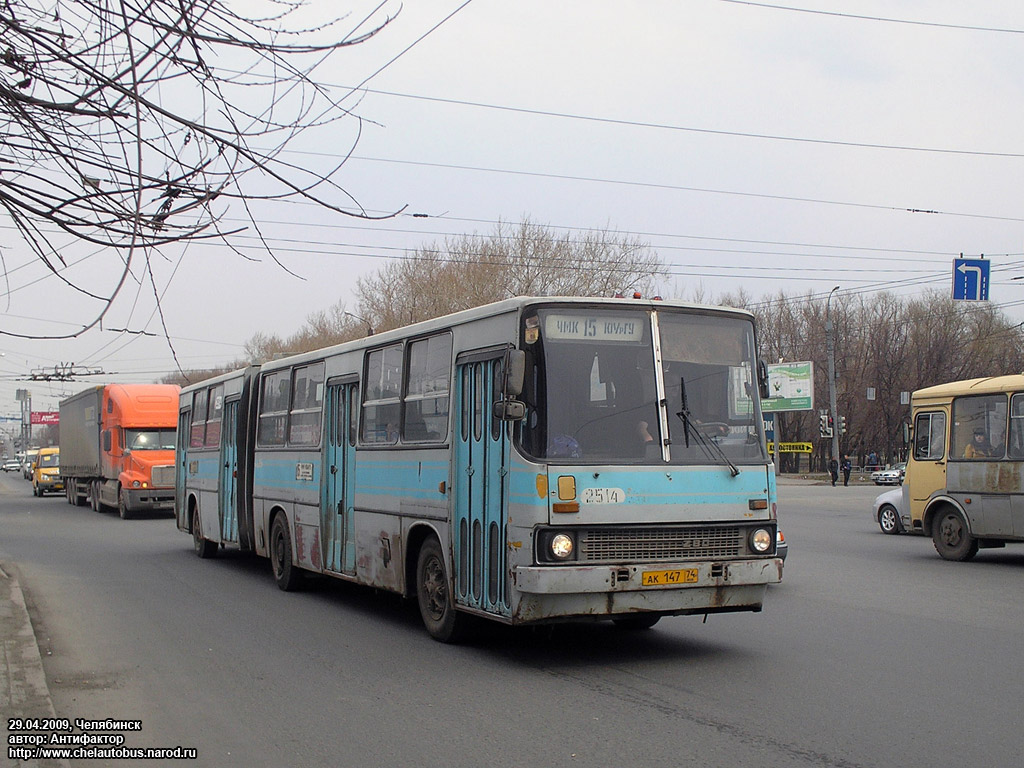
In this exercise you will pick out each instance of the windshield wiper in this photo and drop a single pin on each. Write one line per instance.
(704, 440)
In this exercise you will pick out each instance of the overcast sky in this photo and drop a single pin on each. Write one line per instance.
(751, 146)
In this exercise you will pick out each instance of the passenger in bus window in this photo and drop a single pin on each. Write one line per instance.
(979, 447)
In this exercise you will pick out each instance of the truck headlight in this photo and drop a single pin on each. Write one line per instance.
(136, 484)
(761, 540)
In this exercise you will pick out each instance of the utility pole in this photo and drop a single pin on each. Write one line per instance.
(830, 343)
(25, 398)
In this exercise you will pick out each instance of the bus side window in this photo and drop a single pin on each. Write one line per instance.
(979, 427)
(930, 434)
(382, 395)
(197, 435)
(273, 415)
(215, 414)
(1016, 450)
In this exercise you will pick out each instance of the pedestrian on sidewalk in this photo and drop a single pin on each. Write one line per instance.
(847, 468)
(833, 470)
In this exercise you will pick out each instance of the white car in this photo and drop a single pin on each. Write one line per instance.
(891, 513)
(891, 476)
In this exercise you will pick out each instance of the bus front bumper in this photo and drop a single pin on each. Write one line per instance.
(551, 592)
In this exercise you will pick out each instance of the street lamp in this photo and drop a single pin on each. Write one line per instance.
(369, 328)
(830, 343)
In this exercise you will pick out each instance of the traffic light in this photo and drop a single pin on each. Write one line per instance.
(825, 425)
(842, 425)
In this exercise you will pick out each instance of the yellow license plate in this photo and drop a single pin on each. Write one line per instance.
(665, 578)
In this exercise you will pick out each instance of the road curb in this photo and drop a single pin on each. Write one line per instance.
(23, 689)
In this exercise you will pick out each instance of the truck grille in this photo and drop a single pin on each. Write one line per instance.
(661, 544)
(163, 476)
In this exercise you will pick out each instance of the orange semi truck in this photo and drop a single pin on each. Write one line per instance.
(117, 447)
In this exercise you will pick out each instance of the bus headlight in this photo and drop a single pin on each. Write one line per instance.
(761, 540)
(561, 546)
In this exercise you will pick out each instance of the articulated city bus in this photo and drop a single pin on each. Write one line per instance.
(964, 483)
(530, 461)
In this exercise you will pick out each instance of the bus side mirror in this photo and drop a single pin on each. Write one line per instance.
(762, 380)
(516, 373)
(509, 410)
(906, 432)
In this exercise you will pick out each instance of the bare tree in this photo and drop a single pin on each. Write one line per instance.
(134, 124)
(323, 328)
(527, 259)
(886, 344)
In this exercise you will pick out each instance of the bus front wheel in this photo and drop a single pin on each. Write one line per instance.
(952, 537)
(286, 574)
(434, 596)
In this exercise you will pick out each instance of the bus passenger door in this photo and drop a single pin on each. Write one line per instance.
(926, 470)
(481, 489)
(227, 486)
(337, 540)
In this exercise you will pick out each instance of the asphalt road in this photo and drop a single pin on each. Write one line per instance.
(871, 652)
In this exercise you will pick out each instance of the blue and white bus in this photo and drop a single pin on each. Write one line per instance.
(530, 461)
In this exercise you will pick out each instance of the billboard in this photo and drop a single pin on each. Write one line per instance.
(791, 386)
(45, 417)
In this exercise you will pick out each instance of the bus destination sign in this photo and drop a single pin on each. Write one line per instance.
(593, 328)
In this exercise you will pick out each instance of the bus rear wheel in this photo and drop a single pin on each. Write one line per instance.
(952, 537)
(437, 608)
(204, 547)
(286, 574)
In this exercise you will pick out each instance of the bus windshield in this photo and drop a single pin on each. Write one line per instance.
(597, 378)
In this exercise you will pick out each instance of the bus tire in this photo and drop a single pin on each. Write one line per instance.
(434, 595)
(636, 622)
(952, 537)
(204, 547)
(286, 574)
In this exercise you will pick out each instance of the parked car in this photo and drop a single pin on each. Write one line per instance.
(891, 513)
(891, 476)
(12, 465)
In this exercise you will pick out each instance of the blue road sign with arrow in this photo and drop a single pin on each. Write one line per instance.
(970, 279)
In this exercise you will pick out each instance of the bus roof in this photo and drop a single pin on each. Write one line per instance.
(219, 379)
(489, 310)
(982, 386)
